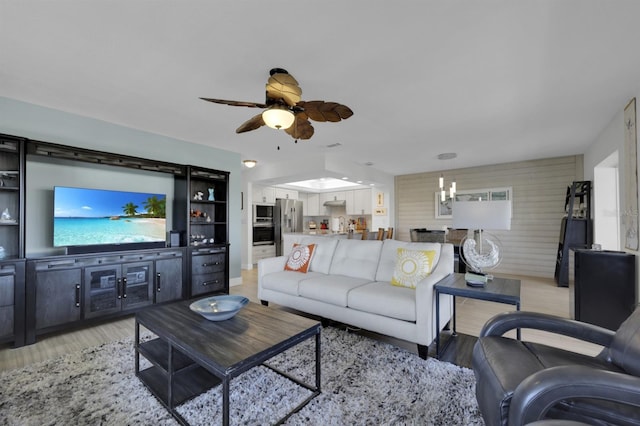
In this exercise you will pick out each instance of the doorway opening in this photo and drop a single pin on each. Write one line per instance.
(606, 196)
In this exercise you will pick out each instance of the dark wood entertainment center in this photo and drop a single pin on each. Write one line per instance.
(39, 295)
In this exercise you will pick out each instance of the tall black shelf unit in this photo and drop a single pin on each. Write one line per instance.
(12, 262)
(575, 228)
(206, 233)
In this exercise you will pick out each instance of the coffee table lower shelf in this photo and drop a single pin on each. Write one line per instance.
(174, 377)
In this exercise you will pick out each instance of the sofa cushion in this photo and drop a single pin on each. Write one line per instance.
(412, 266)
(333, 289)
(388, 255)
(300, 258)
(382, 299)
(286, 281)
(356, 258)
(323, 253)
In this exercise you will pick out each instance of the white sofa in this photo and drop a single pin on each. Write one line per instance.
(349, 281)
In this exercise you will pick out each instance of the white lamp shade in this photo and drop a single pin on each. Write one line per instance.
(278, 117)
(492, 215)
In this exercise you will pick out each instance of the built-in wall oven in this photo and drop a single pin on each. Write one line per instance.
(263, 213)
(263, 229)
(263, 234)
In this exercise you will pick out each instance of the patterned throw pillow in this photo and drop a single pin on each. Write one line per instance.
(300, 258)
(412, 266)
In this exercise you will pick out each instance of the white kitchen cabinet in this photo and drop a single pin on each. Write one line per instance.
(287, 194)
(312, 206)
(330, 196)
(304, 197)
(263, 194)
(359, 202)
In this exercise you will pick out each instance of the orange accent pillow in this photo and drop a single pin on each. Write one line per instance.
(300, 258)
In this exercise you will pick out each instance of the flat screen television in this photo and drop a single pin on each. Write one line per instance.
(87, 219)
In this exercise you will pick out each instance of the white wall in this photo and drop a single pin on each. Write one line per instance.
(606, 144)
(606, 203)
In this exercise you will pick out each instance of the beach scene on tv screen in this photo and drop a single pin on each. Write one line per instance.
(91, 216)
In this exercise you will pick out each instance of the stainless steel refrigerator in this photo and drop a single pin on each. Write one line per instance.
(287, 218)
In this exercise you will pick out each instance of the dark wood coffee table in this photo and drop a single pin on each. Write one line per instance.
(192, 354)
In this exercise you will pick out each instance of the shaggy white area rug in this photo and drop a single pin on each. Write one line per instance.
(364, 382)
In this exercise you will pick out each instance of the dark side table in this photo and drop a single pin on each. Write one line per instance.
(501, 290)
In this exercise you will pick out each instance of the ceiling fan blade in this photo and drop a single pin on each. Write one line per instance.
(235, 103)
(284, 86)
(301, 128)
(253, 123)
(325, 111)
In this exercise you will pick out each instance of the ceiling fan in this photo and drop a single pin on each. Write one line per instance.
(284, 109)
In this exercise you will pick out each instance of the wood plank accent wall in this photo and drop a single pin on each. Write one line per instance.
(539, 189)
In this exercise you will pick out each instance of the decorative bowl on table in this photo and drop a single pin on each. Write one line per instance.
(219, 308)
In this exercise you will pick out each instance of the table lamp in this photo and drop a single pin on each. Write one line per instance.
(481, 252)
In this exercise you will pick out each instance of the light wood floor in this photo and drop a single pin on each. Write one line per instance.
(538, 294)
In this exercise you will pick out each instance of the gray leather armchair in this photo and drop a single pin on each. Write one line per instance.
(521, 382)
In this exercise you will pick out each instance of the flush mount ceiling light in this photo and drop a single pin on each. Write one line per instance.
(249, 163)
(278, 117)
(321, 184)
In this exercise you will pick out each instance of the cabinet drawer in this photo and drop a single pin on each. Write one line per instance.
(207, 264)
(206, 283)
(263, 252)
(6, 290)
(6, 320)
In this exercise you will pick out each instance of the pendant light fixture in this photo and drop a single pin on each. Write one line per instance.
(452, 187)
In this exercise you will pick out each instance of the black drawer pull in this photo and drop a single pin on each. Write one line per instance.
(210, 282)
(211, 264)
(124, 288)
(77, 295)
(158, 282)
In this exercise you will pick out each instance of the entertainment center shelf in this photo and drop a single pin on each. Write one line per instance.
(39, 294)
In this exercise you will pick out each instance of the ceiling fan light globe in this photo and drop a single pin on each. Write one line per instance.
(278, 117)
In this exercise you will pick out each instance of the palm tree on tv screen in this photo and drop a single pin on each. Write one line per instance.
(155, 207)
(130, 209)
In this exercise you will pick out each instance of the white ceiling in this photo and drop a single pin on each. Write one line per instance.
(494, 81)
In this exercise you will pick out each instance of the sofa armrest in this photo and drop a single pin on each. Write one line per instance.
(425, 311)
(269, 265)
(542, 390)
(443, 268)
(501, 323)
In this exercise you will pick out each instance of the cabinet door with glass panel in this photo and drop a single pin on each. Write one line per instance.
(113, 288)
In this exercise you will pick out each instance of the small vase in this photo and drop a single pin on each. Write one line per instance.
(211, 197)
